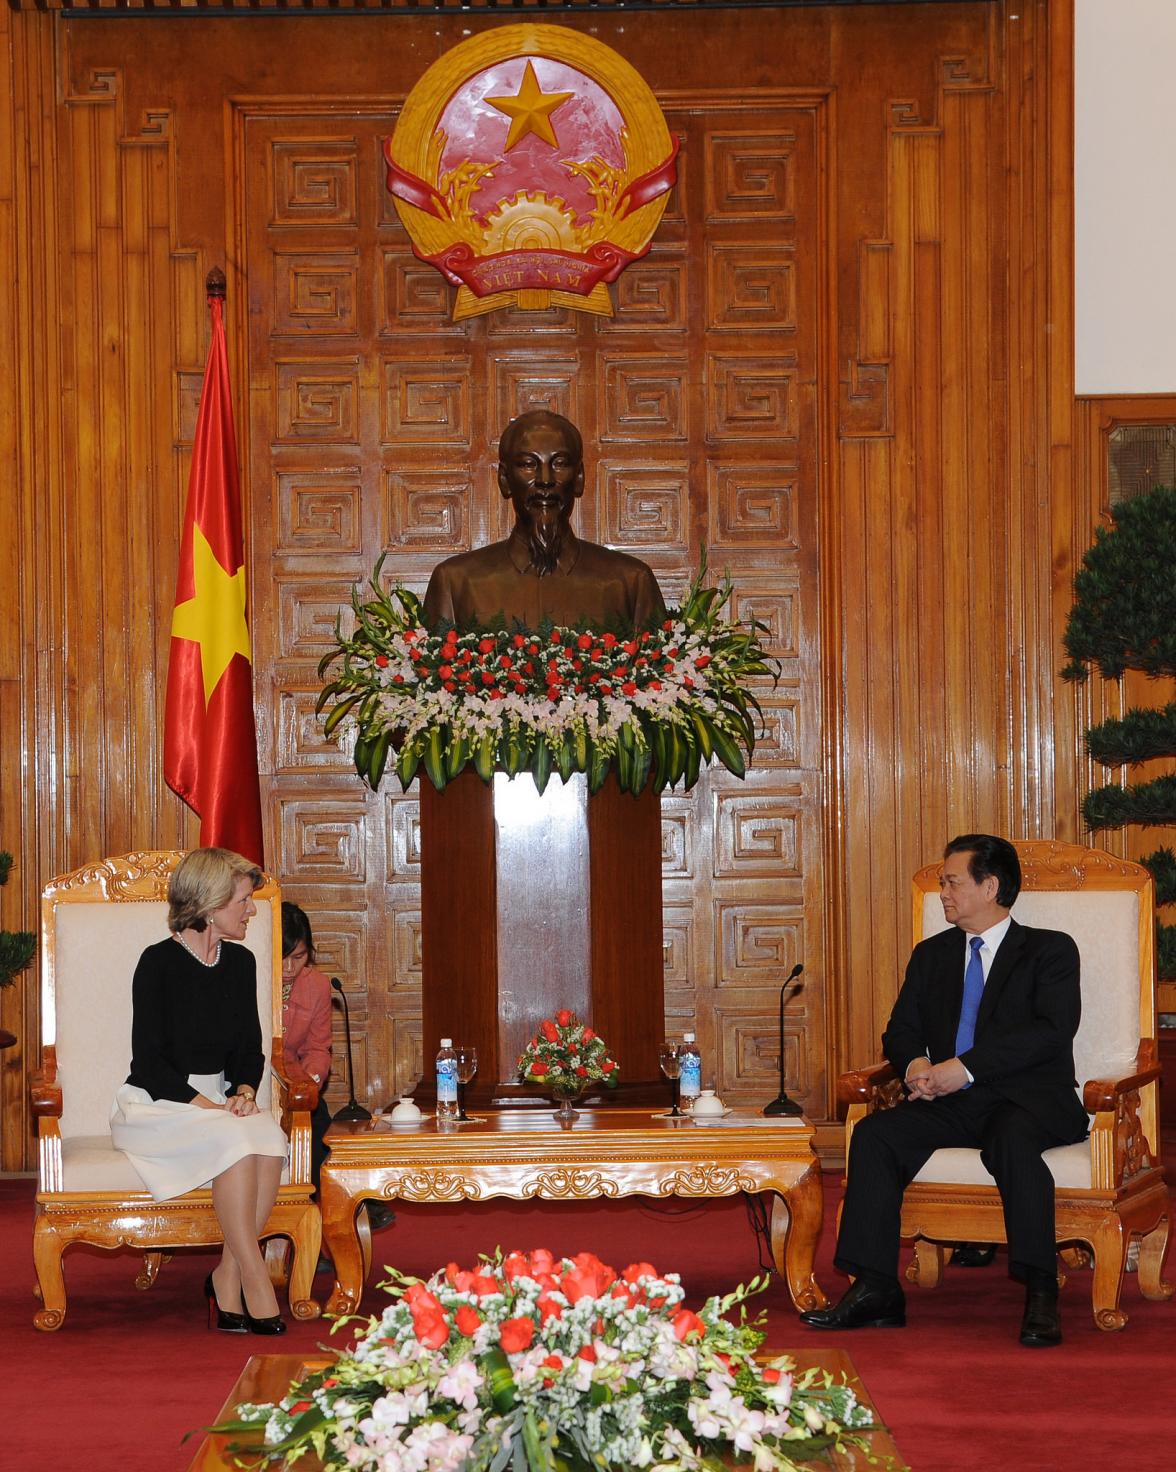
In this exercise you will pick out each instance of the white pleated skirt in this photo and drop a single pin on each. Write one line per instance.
(180, 1147)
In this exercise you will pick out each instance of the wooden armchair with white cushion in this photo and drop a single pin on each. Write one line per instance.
(95, 923)
(1111, 1187)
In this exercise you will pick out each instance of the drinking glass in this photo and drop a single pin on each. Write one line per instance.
(670, 1064)
(467, 1066)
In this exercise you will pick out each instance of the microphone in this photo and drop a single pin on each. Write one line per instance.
(352, 1110)
(782, 1104)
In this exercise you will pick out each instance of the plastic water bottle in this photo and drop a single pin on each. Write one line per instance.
(690, 1079)
(446, 1081)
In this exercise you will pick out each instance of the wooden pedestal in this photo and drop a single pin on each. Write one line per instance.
(530, 904)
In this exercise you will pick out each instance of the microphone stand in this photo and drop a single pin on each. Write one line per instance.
(352, 1110)
(782, 1104)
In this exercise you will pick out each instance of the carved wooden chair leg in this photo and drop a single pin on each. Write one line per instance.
(927, 1262)
(363, 1230)
(48, 1246)
(306, 1238)
(1151, 1262)
(1076, 1256)
(277, 1261)
(1109, 1245)
(149, 1269)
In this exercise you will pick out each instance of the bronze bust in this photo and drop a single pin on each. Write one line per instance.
(542, 571)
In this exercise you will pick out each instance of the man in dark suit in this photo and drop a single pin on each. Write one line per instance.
(982, 1033)
(543, 571)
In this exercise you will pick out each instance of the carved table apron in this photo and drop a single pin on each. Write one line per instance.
(524, 1155)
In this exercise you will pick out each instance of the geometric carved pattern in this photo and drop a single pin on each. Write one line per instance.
(416, 297)
(404, 916)
(314, 183)
(425, 401)
(753, 505)
(778, 609)
(749, 1056)
(314, 294)
(677, 940)
(676, 832)
(777, 737)
(535, 382)
(307, 612)
(750, 176)
(322, 841)
(646, 506)
(318, 510)
(513, 322)
(750, 287)
(317, 401)
(428, 510)
(756, 944)
(650, 294)
(301, 743)
(643, 398)
(757, 833)
(752, 397)
(404, 838)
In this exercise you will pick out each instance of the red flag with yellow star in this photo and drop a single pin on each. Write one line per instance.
(209, 737)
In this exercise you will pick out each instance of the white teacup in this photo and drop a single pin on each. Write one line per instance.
(707, 1103)
(406, 1112)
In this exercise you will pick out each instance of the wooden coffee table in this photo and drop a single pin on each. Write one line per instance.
(525, 1155)
(267, 1377)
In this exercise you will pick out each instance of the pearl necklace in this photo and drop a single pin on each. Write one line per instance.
(194, 955)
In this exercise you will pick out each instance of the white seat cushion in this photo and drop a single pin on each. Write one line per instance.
(91, 1163)
(1069, 1164)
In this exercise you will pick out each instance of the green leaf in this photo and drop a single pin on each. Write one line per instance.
(598, 765)
(434, 758)
(407, 763)
(496, 1368)
(338, 713)
(728, 752)
(484, 756)
(456, 756)
(704, 731)
(378, 759)
(541, 764)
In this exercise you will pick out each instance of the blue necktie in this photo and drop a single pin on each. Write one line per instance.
(973, 991)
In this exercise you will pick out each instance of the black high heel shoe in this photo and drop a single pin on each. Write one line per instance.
(274, 1325)
(226, 1322)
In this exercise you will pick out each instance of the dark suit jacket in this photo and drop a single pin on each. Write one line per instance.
(1024, 1047)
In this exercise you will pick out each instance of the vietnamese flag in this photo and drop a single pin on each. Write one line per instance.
(209, 737)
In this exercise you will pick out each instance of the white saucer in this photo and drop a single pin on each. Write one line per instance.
(712, 1114)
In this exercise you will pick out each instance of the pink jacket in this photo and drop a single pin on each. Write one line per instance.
(306, 1026)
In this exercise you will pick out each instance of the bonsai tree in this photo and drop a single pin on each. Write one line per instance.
(1124, 617)
(16, 950)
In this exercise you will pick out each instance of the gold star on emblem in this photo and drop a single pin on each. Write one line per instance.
(215, 617)
(530, 111)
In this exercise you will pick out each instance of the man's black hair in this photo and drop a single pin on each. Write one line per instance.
(990, 857)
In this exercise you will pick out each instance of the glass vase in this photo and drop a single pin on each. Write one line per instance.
(565, 1095)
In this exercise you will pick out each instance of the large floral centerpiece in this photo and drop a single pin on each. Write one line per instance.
(651, 704)
(542, 1364)
(566, 1057)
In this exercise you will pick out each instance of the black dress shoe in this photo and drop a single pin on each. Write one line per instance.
(273, 1325)
(862, 1307)
(227, 1323)
(1041, 1324)
(973, 1255)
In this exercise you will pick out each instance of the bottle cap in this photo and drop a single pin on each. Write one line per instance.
(687, 1037)
(447, 1042)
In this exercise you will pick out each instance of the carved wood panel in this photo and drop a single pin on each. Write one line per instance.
(375, 423)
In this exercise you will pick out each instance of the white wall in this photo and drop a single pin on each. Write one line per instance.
(1125, 196)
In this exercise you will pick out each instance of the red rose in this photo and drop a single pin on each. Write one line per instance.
(637, 1270)
(468, 1319)
(771, 1377)
(549, 1030)
(630, 646)
(655, 684)
(584, 641)
(398, 679)
(607, 1066)
(588, 1277)
(586, 1352)
(702, 661)
(668, 625)
(581, 1071)
(539, 1068)
(516, 1335)
(410, 636)
(445, 671)
(646, 637)
(529, 668)
(609, 640)
(518, 641)
(553, 1362)
(488, 677)
(563, 1016)
(606, 689)
(555, 637)
(505, 661)
(628, 688)
(485, 646)
(589, 1035)
(686, 1323)
(382, 661)
(451, 686)
(548, 1308)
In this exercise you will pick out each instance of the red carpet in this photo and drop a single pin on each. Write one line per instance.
(130, 1372)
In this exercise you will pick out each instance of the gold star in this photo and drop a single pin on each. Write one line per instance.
(215, 617)
(530, 111)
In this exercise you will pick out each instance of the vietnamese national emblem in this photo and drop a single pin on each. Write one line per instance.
(531, 165)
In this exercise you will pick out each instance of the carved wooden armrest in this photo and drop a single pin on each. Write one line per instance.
(45, 1097)
(862, 1085)
(1104, 1093)
(297, 1093)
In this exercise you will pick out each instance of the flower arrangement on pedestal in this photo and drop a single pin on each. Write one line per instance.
(566, 1057)
(537, 1364)
(651, 705)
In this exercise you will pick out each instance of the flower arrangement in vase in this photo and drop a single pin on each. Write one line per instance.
(567, 1057)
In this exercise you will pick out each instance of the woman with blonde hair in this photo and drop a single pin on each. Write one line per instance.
(187, 1115)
